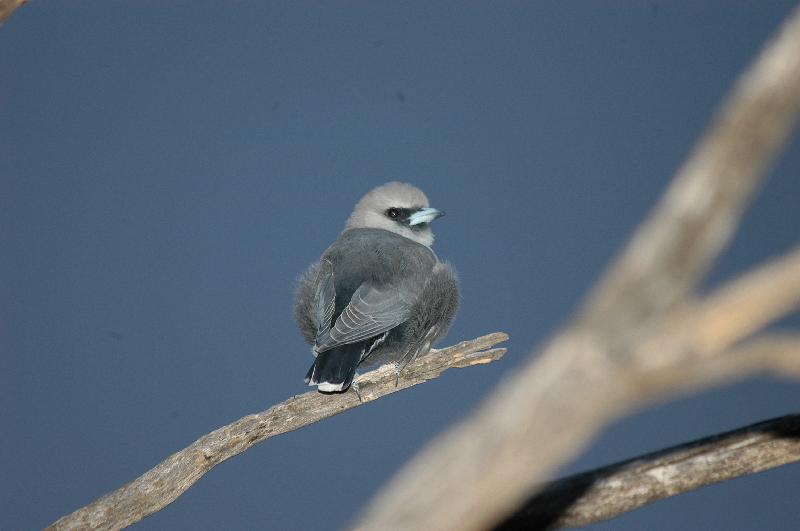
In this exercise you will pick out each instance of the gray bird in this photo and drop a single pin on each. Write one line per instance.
(379, 294)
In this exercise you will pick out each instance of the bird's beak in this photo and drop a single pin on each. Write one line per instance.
(424, 215)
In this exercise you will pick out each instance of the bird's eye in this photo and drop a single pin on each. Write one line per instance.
(393, 212)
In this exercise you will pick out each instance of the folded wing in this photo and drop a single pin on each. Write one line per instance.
(371, 311)
(325, 298)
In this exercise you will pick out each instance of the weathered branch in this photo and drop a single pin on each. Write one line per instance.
(161, 485)
(692, 347)
(596, 368)
(612, 490)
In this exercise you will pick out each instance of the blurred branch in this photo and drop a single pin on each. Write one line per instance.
(602, 364)
(612, 490)
(698, 345)
(161, 485)
(7, 7)
(673, 249)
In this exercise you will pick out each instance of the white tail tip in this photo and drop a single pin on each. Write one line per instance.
(327, 387)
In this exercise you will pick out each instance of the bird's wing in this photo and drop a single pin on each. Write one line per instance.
(325, 299)
(372, 310)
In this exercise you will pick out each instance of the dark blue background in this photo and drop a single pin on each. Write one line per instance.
(168, 168)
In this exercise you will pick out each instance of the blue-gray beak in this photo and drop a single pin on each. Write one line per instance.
(424, 215)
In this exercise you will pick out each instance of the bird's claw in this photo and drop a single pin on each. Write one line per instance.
(354, 387)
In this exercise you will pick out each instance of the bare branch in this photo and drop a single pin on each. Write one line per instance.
(593, 371)
(696, 333)
(601, 365)
(746, 305)
(673, 355)
(615, 489)
(612, 490)
(7, 7)
(161, 485)
(673, 249)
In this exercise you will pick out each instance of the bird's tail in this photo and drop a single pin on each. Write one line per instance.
(334, 369)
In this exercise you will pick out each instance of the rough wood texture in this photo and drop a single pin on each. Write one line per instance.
(609, 491)
(634, 335)
(162, 484)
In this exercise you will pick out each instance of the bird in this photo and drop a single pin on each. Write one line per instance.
(378, 294)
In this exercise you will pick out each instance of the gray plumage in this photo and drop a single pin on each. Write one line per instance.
(379, 294)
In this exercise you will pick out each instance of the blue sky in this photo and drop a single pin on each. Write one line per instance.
(168, 169)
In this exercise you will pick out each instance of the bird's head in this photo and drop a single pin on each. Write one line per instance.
(396, 207)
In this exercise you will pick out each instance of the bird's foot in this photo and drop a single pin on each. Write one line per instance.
(398, 366)
(354, 387)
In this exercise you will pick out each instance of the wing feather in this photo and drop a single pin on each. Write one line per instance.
(325, 299)
(372, 310)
